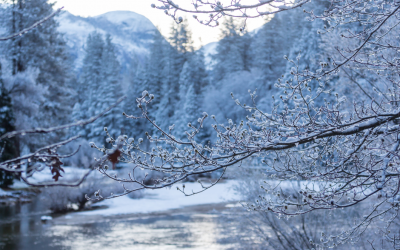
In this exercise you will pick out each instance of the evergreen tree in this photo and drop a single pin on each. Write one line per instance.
(181, 47)
(89, 81)
(177, 54)
(192, 82)
(306, 46)
(270, 44)
(45, 49)
(108, 93)
(91, 75)
(232, 50)
(307, 41)
(99, 88)
(154, 78)
(8, 147)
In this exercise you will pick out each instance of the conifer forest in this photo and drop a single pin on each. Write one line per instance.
(118, 134)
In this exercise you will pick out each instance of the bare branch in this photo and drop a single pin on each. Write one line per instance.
(26, 30)
(62, 127)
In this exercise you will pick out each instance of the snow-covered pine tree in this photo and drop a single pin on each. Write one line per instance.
(177, 54)
(99, 87)
(8, 147)
(45, 49)
(232, 50)
(306, 39)
(152, 76)
(192, 82)
(90, 81)
(148, 75)
(108, 93)
(91, 75)
(272, 41)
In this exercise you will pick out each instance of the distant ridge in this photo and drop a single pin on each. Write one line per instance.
(131, 33)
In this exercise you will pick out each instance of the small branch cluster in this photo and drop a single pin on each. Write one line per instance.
(35, 25)
(211, 11)
(181, 160)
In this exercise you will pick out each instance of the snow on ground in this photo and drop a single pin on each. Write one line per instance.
(19, 185)
(70, 173)
(45, 176)
(4, 193)
(165, 199)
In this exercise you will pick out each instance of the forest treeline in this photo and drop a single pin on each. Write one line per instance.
(41, 88)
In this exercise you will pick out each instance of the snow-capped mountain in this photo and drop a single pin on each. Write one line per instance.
(209, 50)
(131, 33)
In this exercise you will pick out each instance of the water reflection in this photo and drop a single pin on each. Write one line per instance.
(18, 223)
(21, 228)
(161, 232)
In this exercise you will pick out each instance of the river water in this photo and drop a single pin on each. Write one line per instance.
(200, 228)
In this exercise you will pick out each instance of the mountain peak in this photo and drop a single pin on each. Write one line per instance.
(131, 33)
(124, 14)
(128, 20)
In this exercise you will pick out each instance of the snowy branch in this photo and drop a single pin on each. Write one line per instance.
(47, 156)
(26, 30)
(62, 127)
(211, 11)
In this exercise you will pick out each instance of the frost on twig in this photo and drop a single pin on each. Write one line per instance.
(26, 30)
(209, 12)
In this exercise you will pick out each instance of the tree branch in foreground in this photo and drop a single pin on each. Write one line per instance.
(38, 23)
(47, 156)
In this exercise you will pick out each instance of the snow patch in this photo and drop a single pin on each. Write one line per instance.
(165, 199)
(4, 193)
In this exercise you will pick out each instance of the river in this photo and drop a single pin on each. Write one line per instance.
(197, 227)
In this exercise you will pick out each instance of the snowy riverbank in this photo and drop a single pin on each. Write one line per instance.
(160, 201)
(12, 197)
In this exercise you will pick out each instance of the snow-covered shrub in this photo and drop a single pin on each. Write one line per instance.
(56, 198)
(63, 199)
